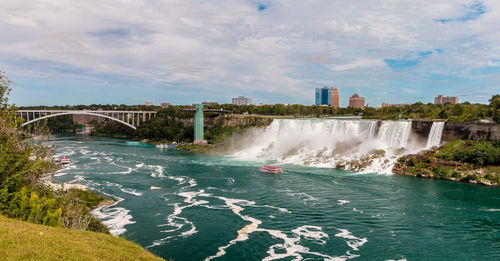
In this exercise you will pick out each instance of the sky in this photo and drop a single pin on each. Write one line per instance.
(62, 52)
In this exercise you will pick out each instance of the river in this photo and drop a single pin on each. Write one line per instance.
(222, 208)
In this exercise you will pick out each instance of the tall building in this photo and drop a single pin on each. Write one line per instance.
(356, 101)
(335, 98)
(242, 100)
(440, 99)
(317, 96)
(165, 105)
(148, 103)
(323, 96)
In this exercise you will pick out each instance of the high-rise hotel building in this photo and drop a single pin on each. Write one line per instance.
(440, 99)
(356, 101)
(335, 98)
(327, 96)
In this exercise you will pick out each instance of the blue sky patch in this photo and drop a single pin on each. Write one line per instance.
(472, 12)
(262, 4)
(408, 60)
(112, 33)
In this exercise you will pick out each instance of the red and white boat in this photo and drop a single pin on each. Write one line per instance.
(64, 160)
(271, 169)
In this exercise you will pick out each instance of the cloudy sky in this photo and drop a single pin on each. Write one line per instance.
(274, 51)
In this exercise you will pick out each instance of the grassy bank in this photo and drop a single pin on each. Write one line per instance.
(466, 161)
(21, 240)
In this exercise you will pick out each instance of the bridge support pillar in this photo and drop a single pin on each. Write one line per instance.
(198, 124)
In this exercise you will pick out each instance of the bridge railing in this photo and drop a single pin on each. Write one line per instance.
(129, 118)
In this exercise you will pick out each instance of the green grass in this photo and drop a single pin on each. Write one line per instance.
(21, 240)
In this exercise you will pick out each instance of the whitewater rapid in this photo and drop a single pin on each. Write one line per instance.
(368, 146)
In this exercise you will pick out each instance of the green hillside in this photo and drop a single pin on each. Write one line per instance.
(21, 240)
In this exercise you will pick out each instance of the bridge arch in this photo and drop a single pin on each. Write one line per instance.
(80, 112)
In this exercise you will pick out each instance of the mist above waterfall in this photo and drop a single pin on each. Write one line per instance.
(360, 145)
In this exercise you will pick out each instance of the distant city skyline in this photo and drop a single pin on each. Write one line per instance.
(185, 52)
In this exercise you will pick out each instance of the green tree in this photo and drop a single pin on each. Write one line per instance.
(23, 160)
(495, 107)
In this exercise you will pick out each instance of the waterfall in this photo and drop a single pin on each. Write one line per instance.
(355, 144)
(395, 133)
(434, 138)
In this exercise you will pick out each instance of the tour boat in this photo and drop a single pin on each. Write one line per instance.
(271, 169)
(64, 160)
(172, 145)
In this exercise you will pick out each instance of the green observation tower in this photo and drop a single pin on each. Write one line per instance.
(199, 121)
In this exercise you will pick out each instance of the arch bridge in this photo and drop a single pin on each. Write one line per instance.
(131, 119)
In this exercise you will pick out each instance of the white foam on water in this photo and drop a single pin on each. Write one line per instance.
(140, 165)
(181, 180)
(342, 202)
(123, 189)
(243, 232)
(176, 222)
(229, 182)
(290, 245)
(192, 183)
(312, 233)
(84, 151)
(356, 210)
(158, 171)
(304, 196)
(352, 241)
(115, 218)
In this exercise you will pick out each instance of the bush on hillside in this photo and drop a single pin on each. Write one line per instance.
(24, 159)
(480, 153)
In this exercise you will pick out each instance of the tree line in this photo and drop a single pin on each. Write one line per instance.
(24, 162)
(170, 124)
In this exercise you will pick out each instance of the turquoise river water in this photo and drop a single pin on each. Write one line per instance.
(212, 207)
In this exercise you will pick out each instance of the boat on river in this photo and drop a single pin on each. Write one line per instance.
(271, 169)
(63, 160)
(167, 146)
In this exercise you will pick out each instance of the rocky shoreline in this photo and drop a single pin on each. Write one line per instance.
(48, 181)
(427, 165)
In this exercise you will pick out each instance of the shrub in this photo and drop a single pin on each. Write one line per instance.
(481, 153)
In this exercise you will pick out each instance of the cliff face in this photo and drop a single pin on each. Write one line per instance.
(471, 131)
(231, 120)
(422, 128)
(464, 131)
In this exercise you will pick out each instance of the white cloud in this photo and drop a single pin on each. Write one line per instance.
(357, 64)
(23, 21)
(230, 47)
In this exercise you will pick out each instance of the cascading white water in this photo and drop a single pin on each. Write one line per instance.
(353, 144)
(435, 134)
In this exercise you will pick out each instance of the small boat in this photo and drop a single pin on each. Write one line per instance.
(271, 169)
(64, 160)
(172, 145)
(154, 188)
